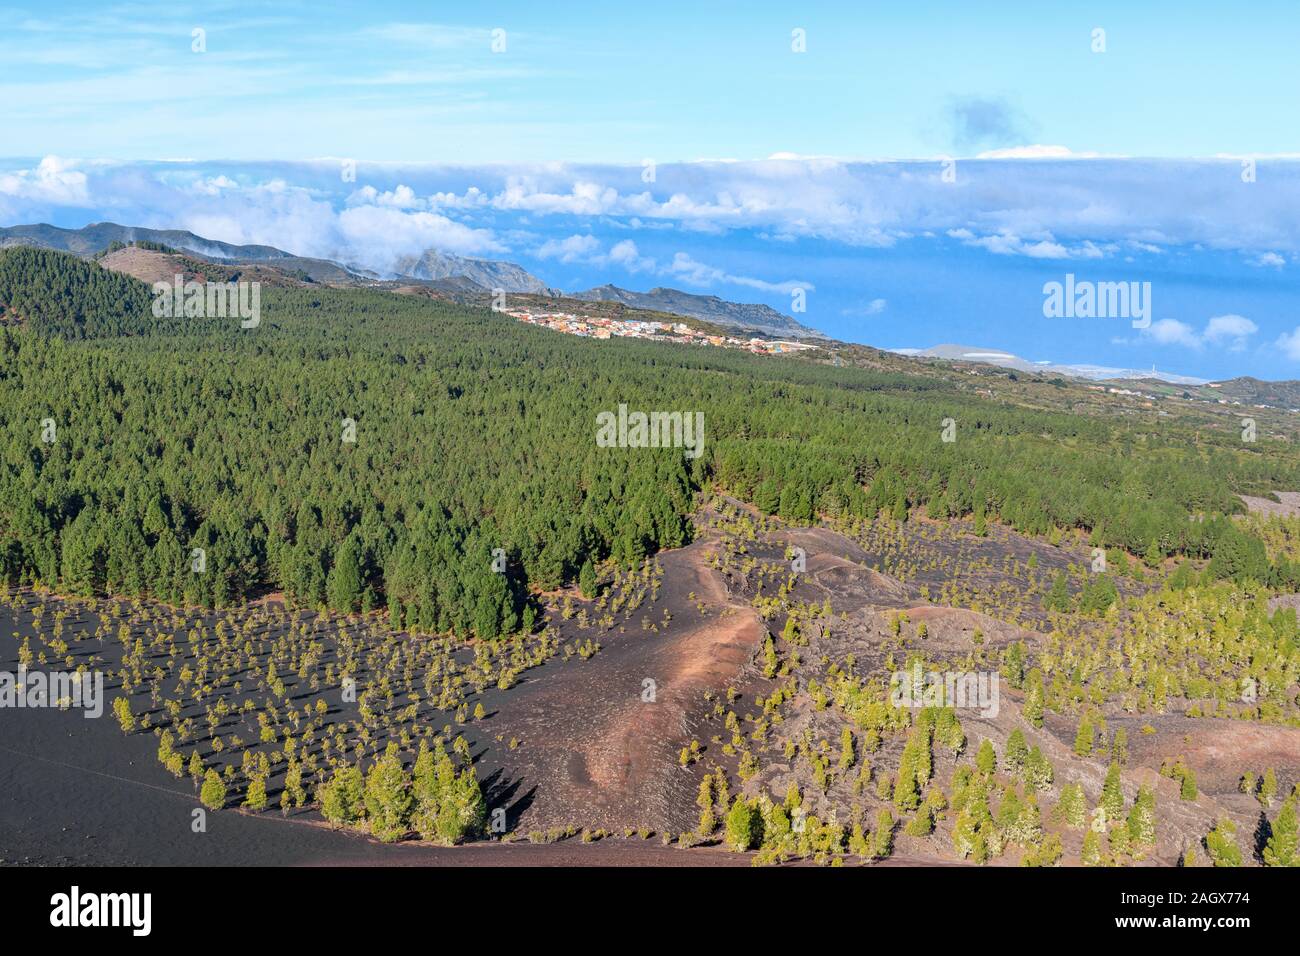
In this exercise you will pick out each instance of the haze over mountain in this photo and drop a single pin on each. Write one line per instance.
(97, 236)
(886, 253)
(1002, 359)
(466, 275)
(710, 308)
(490, 274)
(441, 270)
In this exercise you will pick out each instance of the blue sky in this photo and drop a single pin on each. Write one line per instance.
(522, 131)
(600, 82)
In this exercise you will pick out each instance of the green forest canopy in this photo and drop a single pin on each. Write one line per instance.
(475, 432)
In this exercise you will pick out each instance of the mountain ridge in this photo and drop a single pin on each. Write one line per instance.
(489, 274)
(433, 268)
(94, 238)
(710, 308)
(1001, 358)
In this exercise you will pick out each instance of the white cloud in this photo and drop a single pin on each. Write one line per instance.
(402, 197)
(1268, 260)
(1051, 208)
(1230, 331)
(588, 249)
(390, 233)
(874, 307)
(54, 180)
(1289, 344)
(1036, 151)
(625, 254)
(584, 199)
(573, 249)
(1173, 332)
(213, 185)
(1006, 244)
(694, 272)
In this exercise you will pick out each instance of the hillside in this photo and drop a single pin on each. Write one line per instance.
(1002, 359)
(752, 427)
(709, 308)
(56, 293)
(442, 274)
(97, 237)
(1284, 394)
(283, 508)
(488, 274)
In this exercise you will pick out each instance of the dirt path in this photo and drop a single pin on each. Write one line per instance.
(601, 738)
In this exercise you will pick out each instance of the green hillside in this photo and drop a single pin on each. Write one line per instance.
(474, 432)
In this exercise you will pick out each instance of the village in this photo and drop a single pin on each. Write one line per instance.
(601, 327)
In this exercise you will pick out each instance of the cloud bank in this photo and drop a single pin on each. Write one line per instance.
(1040, 208)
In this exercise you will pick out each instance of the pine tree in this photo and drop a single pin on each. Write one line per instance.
(906, 796)
(1187, 790)
(587, 580)
(1072, 808)
(255, 797)
(1142, 818)
(1281, 848)
(449, 806)
(342, 798)
(1119, 747)
(1084, 738)
(1119, 844)
(387, 797)
(213, 794)
(195, 768)
(1221, 844)
(1016, 751)
(922, 823)
(965, 835)
(1058, 599)
(859, 841)
(122, 710)
(1091, 848)
(1029, 827)
(345, 582)
(1033, 709)
(742, 826)
(771, 663)
(884, 834)
(1268, 787)
(847, 754)
(1112, 795)
(986, 758)
(708, 822)
(1009, 811)
(1038, 772)
(1046, 853)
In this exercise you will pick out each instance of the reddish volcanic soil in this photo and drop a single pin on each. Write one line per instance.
(601, 750)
